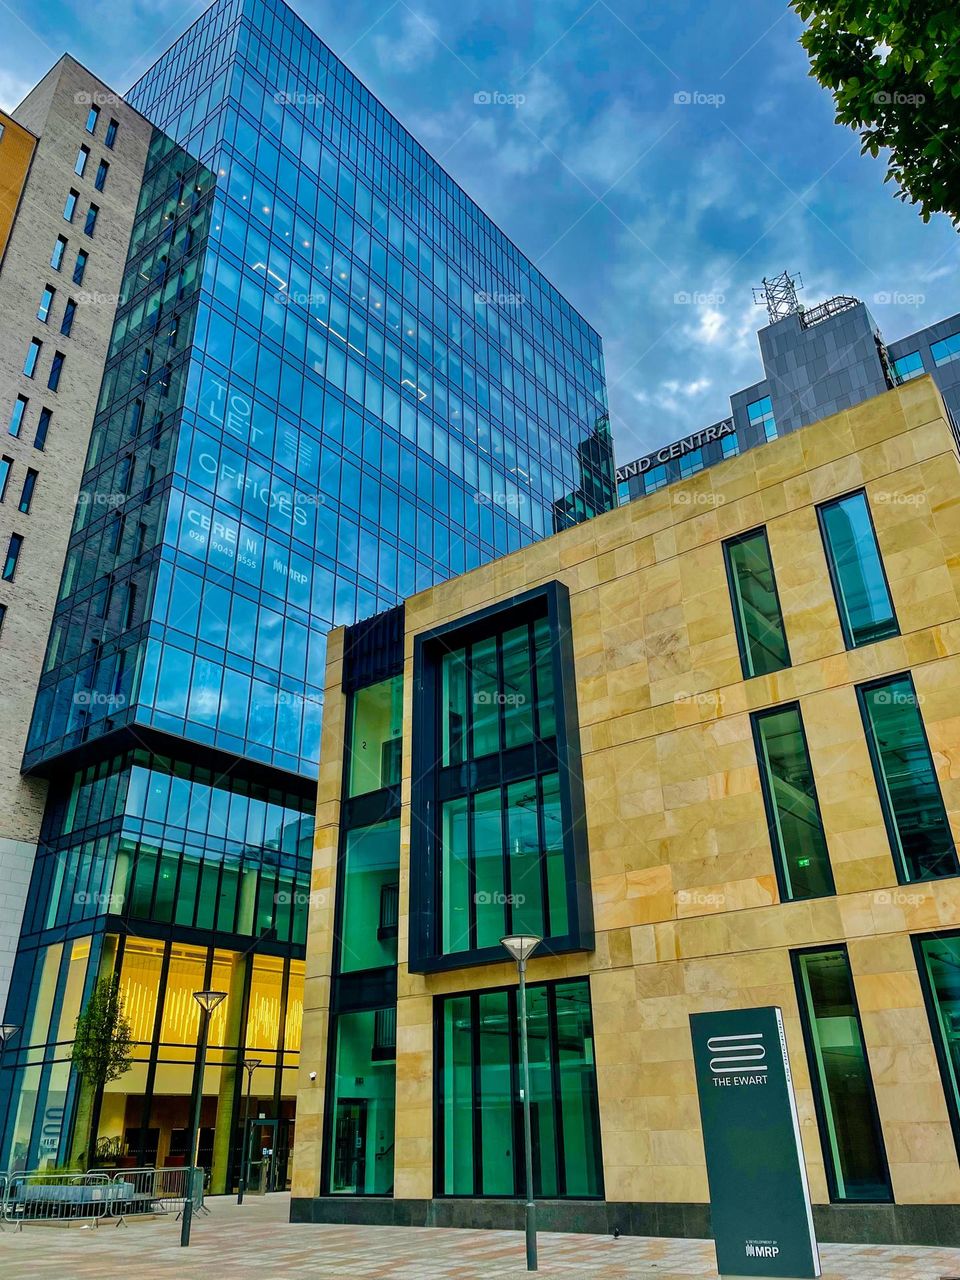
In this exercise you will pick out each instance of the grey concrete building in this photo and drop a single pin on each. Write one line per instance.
(71, 199)
(816, 362)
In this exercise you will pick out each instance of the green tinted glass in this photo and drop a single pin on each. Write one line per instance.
(360, 1151)
(371, 886)
(940, 963)
(756, 609)
(909, 791)
(793, 815)
(863, 600)
(843, 1090)
(376, 737)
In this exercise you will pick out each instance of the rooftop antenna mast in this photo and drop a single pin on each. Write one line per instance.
(779, 296)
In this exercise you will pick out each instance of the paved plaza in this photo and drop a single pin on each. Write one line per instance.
(255, 1242)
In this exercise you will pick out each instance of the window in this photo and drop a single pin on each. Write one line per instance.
(80, 266)
(56, 369)
(756, 605)
(33, 355)
(16, 417)
(93, 115)
(729, 445)
(70, 207)
(691, 463)
(790, 797)
(102, 170)
(946, 350)
(111, 135)
(656, 478)
(90, 225)
(853, 1151)
(907, 367)
(503, 849)
(59, 249)
(917, 825)
(43, 426)
(69, 315)
(361, 1127)
(46, 302)
(13, 555)
(760, 413)
(479, 1116)
(5, 465)
(856, 570)
(83, 155)
(26, 493)
(939, 963)
(623, 492)
(371, 884)
(376, 737)
(3, 617)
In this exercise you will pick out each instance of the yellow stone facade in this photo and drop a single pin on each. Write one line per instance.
(688, 916)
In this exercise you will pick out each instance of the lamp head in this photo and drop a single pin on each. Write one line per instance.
(520, 946)
(208, 1000)
(7, 1030)
(251, 1064)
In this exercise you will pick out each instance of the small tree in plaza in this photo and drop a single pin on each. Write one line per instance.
(101, 1053)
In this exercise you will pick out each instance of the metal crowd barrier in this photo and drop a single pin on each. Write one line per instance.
(55, 1195)
(51, 1195)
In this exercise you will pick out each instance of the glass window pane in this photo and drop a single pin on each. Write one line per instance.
(377, 736)
(940, 968)
(517, 687)
(553, 853)
(917, 823)
(485, 691)
(489, 894)
(793, 814)
(455, 876)
(859, 584)
(843, 1090)
(523, 836)
(456, 1087)
(371, 886)
(495, 1101)
(756, 608)
(543, 646)
(360, 1157)
(454, 672)
(542, 1094)
(578, 1095)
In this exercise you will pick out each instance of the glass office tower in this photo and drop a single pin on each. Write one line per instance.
(332, 382)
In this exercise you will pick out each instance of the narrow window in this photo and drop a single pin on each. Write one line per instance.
(59, 249)
(856, 571)
(80, 266)
(360, 1155)
(691, 463)
(853, 1151)
(13, 555)
(760, 414)
(83, 156)
(370, 868)
(917, 825)
(102, 170)
(69, 315)
(33, 355)
(90, 225)
(793, 812)
(46, 302)
(16, 418)
(730, 445)
(5, 464)
(56, 369)
(376, 737)
(111, 135)
(761, 636)
(3, 617)
(939, 962)
(93, 115)
(43, 426)
(26, 493)
(70, 206)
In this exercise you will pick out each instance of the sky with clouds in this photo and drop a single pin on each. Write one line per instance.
(655, 160)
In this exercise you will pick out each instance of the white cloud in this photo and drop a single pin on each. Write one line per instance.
(13, 90)
(413, 47)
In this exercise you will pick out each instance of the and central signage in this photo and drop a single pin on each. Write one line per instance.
(716, 431)
(759, 1200)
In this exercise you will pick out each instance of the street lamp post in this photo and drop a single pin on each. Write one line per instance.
(521, 947)
(249, 1065)
(208, 1001)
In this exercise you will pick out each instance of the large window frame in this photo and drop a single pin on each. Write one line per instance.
(744, 642)
(434, 782)
(948, 1071)
(550, 990)
(840, 600)
(880, 777)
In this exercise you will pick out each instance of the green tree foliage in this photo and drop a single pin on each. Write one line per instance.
(893, 67)
(102, 1042)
